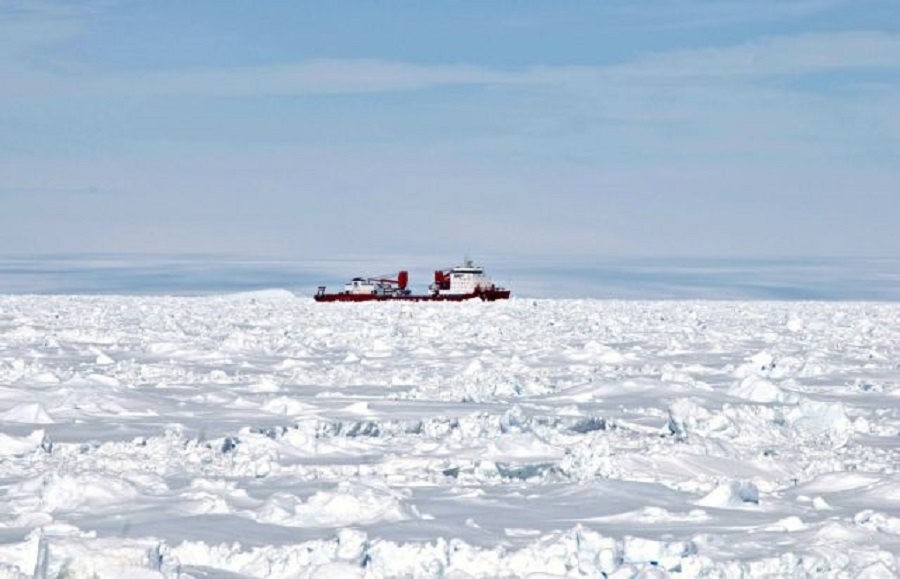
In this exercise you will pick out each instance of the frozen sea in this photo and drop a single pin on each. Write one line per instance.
(205, 418)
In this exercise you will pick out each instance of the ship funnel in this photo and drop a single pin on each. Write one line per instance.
(403, 279)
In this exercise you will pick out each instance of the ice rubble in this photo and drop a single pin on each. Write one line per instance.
(28, 413)
(17, 446)
(577, 552)
(268, 436)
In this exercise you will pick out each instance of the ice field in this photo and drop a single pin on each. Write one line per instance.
(265, 435)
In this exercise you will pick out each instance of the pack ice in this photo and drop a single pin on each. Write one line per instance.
(264, 435)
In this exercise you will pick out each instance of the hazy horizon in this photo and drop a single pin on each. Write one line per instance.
(528, 277)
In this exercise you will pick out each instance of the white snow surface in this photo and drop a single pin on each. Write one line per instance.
(265, 435)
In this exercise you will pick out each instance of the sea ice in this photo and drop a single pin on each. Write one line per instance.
(265, 435)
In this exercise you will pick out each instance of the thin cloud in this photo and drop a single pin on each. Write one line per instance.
(32, 33)
(669, 15)
(776, 56)
(675, 14)
(768, 57)
(786, 55)
(25, 26)
(310, 77)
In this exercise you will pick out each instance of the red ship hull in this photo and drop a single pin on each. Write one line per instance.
(489, 295)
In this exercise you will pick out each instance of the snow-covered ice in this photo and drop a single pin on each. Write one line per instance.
(265, 435)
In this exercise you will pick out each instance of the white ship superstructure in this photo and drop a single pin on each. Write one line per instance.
(359, 286)
(461, 280)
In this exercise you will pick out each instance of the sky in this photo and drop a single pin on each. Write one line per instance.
(670, 128)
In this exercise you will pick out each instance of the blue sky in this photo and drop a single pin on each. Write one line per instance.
(326, 129)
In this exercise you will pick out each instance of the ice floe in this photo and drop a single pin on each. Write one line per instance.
(265, 435)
